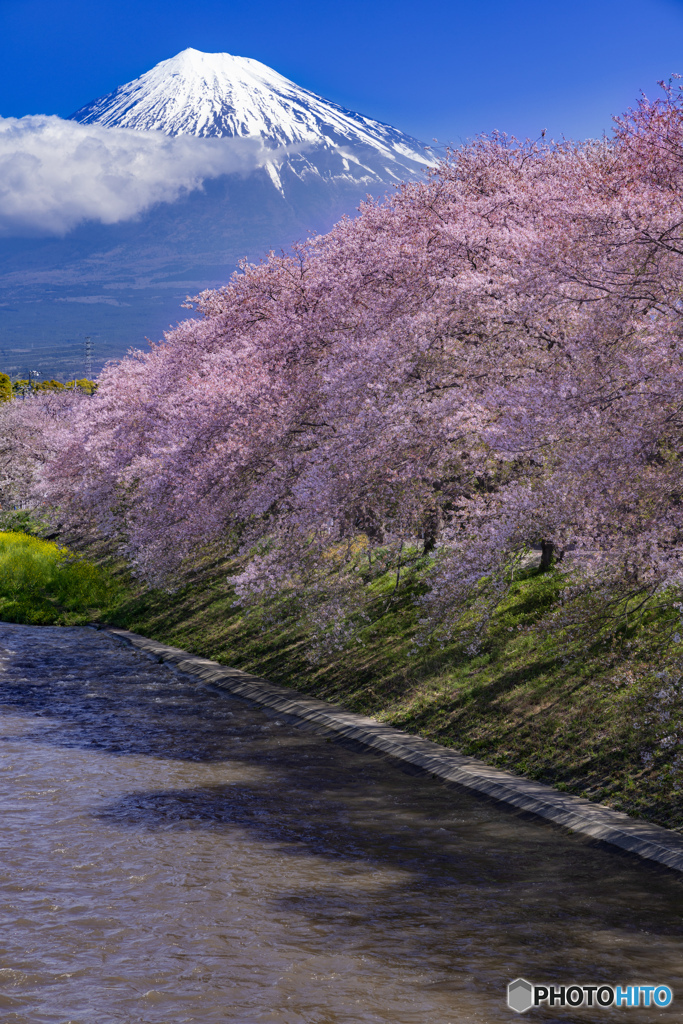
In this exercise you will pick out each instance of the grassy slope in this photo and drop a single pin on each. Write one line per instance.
(43, 584)
(575, 717)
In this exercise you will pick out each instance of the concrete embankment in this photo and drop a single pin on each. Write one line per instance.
(646, 840)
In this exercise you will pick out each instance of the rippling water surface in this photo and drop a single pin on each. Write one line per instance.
(169, 854)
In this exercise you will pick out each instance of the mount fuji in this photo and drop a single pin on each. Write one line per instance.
(120, 283)
(218, 95)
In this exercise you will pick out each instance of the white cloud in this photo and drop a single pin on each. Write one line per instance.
(54, 174)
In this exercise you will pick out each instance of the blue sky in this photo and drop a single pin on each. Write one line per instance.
(445, 70)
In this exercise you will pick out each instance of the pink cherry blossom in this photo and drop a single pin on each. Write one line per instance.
(486, 360)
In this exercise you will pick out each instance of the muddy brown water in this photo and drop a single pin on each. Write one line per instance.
(169, 854)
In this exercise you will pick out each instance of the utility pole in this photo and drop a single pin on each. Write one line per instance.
(29, 383)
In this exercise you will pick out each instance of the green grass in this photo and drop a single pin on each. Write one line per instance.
(44, 584)
(538, 699)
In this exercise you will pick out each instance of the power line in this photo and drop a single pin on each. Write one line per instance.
(88, 356)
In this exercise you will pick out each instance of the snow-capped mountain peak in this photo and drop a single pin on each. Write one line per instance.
(216, 94)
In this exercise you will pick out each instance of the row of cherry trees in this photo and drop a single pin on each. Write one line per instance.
(489, 359)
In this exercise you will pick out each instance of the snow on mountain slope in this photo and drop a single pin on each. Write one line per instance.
(216, 94)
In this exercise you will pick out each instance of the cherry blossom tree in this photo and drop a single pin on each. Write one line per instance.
(33, 433)
(486, 360)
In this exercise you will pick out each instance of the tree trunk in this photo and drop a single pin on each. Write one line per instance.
(547, 548)
(372, 529)
(431, 528)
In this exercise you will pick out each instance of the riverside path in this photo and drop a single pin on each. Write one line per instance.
(171, 854)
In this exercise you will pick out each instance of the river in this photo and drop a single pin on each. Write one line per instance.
(170, 854)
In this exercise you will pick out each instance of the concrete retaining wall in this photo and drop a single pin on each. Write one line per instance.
(646, 840)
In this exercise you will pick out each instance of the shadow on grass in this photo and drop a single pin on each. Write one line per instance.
(529, 702)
